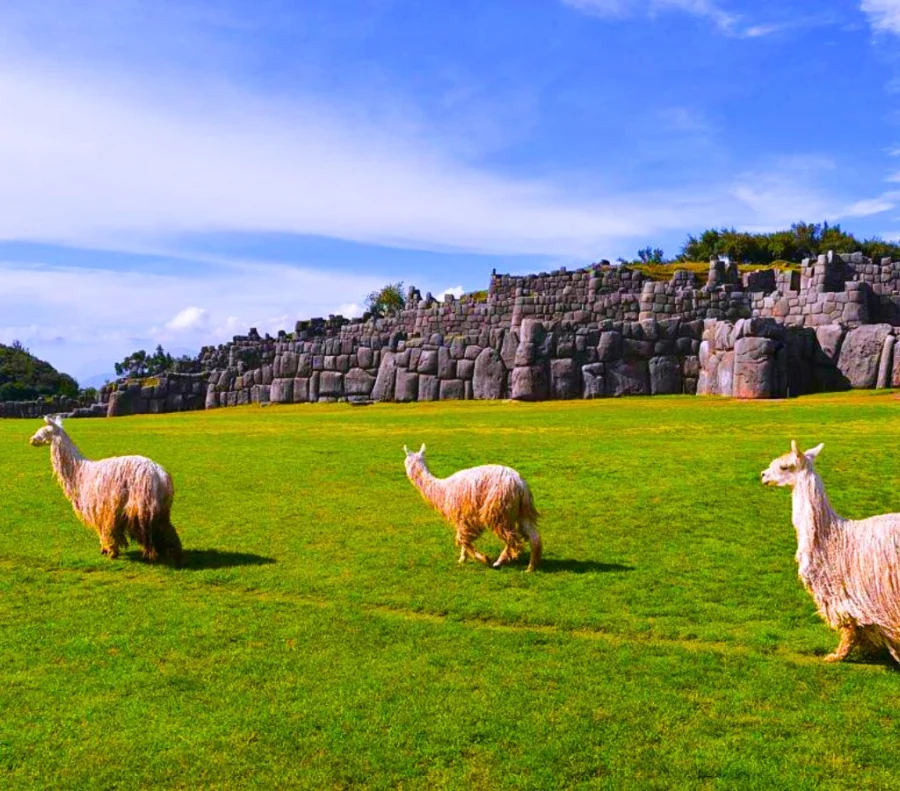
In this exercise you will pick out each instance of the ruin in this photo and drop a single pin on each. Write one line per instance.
(600, 331)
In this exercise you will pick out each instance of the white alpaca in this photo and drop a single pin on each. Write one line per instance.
(121, 497)
(851, 568)
(489, 497)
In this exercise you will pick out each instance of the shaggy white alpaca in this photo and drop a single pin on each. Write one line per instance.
(489, 497)
(851, 568)
(121, 497)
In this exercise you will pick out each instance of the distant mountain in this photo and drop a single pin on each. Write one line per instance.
(24, 377)
(98, 380)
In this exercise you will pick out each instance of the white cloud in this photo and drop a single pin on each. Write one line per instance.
(191, 318)
(456, 291)
(867, 208)
(88, 318)
(623, 8)
(884, 15)
(349, 310)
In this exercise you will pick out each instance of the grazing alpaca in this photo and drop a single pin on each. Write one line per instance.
(472, 500)
(852, 569)
(122, 497)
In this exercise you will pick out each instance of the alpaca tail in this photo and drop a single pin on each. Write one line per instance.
(528, 518)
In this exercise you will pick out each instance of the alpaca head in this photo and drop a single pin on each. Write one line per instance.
(46, 434)
(414, 460)
(783, 471)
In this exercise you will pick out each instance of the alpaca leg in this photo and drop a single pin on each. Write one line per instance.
(165, 540)
(534, 538)
(505, 556)
(474, 553)
(462, 555)
(849, 639)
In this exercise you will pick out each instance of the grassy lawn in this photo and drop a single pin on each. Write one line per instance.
(321, 634)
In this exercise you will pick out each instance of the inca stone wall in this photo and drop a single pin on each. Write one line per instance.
(602, 331)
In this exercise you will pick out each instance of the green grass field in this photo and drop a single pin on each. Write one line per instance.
(321, 634)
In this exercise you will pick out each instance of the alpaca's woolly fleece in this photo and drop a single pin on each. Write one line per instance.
(122, 497)
(490, 497)
(851, 568)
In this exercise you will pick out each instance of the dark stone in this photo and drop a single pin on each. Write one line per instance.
(565, 379)
(489, 377)
(861, 353)
(358, 382)
(665, 376)
(529, 383)
(407, 386)
(331, 384)
(383, 389)
(282, 391)
(627, 377)
(592, 375)
(429, 387)
(610, 347)
(452, 390)
(446, 364)
(465, 369)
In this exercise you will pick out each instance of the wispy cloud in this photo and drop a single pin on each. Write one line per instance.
(884, 15)
(623, 8)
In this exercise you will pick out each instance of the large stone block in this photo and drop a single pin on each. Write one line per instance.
(610, 346)
(665, 376)
(282, 391)
(627, 377)
(429, 387)
(452, 390)
(754, 368)
(383, 390)
(465, 369)
(331, 384)
(489, 377)
(364, 357)
(407, 386)
(861, 354)
(592, 376)
(358, 382)
(565, 379)
(446, 364)
(301, 390)
(428, 362)
(529, 383)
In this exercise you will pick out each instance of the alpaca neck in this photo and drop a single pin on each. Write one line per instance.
(432, 488)
(67, 461)
(813, 517)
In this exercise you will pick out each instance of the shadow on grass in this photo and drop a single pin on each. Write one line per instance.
(198, 559)
(872, 657)
(561, 566)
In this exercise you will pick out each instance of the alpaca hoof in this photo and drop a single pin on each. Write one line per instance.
(104, 551)
(833, 658)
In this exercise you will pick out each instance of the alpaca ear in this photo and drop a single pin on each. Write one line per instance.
(406, 451)
(813, 452)
(795, 451)
(422, 449)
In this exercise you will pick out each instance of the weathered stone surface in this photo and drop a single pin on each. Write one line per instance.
(301, 390)
(565, 379)
(829, 337)
(529, 383)
(446, 368)
(754, 368)
(407, 386)
(428, 362)
(886, 363)
(726, 373)
(627, 377)
(452, 390)
(610, 346)
(331, 384)
(489, 379)
(861, 353)
(282, 391)
(358, 382)
(592, 376)
(429, 387)
(383, 389)
(665, 375)
(465, 369)
(364, 357)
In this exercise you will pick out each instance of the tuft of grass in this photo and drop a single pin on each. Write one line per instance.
(321, 634)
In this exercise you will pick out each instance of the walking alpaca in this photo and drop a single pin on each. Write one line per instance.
(122, 497)
(491, 496)
(852, 569)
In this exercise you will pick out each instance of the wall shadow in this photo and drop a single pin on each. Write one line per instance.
(564, 566)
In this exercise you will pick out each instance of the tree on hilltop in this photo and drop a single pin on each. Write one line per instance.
(387, 301)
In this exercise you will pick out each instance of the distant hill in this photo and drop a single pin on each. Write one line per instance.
(23, 377)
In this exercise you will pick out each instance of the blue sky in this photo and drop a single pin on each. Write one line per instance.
(176, 172)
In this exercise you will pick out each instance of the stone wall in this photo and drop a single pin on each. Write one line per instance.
(58, 405)
(595, 332)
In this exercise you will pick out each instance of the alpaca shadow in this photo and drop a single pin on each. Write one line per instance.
(563, 566)
(199, 559)
(875, 658)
